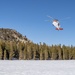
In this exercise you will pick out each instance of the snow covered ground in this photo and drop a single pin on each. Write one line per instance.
(37, 67)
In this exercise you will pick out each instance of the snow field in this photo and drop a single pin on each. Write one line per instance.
(37, 67)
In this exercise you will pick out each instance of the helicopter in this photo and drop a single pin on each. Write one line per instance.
(55, 22)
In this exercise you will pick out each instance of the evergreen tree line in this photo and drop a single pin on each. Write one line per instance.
(29, 51)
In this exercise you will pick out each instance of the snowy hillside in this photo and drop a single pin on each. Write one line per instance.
(15, 67)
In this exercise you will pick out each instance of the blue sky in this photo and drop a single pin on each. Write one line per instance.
(28, 17)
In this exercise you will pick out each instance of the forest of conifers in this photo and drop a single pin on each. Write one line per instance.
(29, 51)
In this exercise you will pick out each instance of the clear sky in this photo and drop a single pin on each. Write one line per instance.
(28, 17)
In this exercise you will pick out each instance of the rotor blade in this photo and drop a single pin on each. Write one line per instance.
(48, 20)
(66, 18)
(50, 17)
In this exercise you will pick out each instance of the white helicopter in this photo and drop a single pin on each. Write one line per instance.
(55, 23)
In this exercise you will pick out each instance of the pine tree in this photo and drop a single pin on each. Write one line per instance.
(60, 55)
(45, 51)
(0, 52)
(70, 52)
(7, 48)
(49, 52)
(73, 52)
(65, 53)
(34, 52)
(5, 55)
(11, 53)
(29, 52)
(3, 48)
(20, 51)
(25, 52)
(54, 53)
(41, 51)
